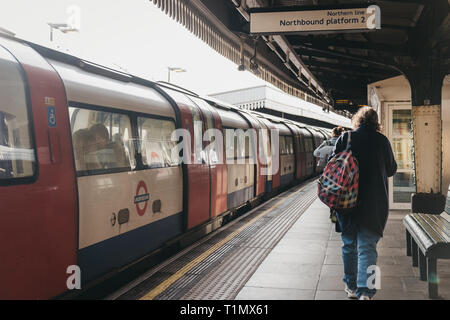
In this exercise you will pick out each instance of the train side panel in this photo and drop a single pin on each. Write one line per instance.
(296, 150)
(38, 196)
(215, 155)
(286, 156)
(129, 190)
(198, 171)
(240, 173)
(301, 156)
(269, 156)
(309, 149)
(259, 153)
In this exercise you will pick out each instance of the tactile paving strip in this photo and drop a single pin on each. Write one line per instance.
(222, 274)
(226, 280)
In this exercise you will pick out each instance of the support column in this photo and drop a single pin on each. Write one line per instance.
(427, 147)
(426, 76)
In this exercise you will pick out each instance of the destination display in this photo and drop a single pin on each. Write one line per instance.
(316, 20)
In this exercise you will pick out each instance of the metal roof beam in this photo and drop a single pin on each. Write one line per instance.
(360, 67)
(390, 63)
(325, 43)
(418, 2)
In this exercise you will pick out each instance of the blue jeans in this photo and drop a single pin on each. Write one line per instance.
(359, 252)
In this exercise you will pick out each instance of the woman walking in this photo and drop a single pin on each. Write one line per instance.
(363, 225)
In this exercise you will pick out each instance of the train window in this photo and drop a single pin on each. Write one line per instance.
(282, 145)
(249, 148)
(289, 146)
(17, 156)
(229, 147)
(198, 129)
(239, 149)
(239, 144)
(212, 156)
(300, 143)
(155, 142)
(102, 141)
(264, 146)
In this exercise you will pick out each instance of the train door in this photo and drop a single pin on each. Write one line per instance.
(219, 179)
(286, 155)
(309, 149)
(198, 171)
(240, 174)
(38, 233)
(287, 159)
(297, 150)
(260, 178)
(301, 160)
(264, 154)
(273, 152)
(214, 153)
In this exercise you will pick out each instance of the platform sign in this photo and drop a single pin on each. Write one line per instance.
(330, 20)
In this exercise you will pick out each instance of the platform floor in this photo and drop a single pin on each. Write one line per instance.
(285, 249)
(307, 264)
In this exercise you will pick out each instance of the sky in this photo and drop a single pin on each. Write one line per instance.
(129, 35)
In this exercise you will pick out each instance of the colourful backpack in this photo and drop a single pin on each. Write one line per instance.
(338, 185)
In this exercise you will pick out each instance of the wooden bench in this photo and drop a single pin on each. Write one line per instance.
(428, 239)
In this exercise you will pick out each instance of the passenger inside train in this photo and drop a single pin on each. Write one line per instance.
(94, 149)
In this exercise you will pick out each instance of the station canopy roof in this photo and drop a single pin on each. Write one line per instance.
(328, 67)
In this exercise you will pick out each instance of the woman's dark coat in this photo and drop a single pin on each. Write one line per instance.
(376, 163)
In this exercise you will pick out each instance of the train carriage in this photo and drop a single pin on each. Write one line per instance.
(38, 196)
(129, 162)
(308, 144)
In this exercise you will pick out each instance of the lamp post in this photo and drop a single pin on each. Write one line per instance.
(174, 69)
(63, 27)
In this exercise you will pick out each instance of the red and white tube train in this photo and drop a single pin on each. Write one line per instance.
(85, 173)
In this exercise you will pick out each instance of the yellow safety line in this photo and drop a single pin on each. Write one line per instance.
(169, 281)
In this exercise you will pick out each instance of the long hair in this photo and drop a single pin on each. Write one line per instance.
(366, 115)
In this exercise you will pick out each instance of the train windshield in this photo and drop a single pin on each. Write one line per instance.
(17, 156)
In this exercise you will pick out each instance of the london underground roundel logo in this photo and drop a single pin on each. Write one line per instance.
(142, 197)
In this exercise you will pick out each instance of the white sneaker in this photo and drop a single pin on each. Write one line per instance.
(363, 297)
(351, 294)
